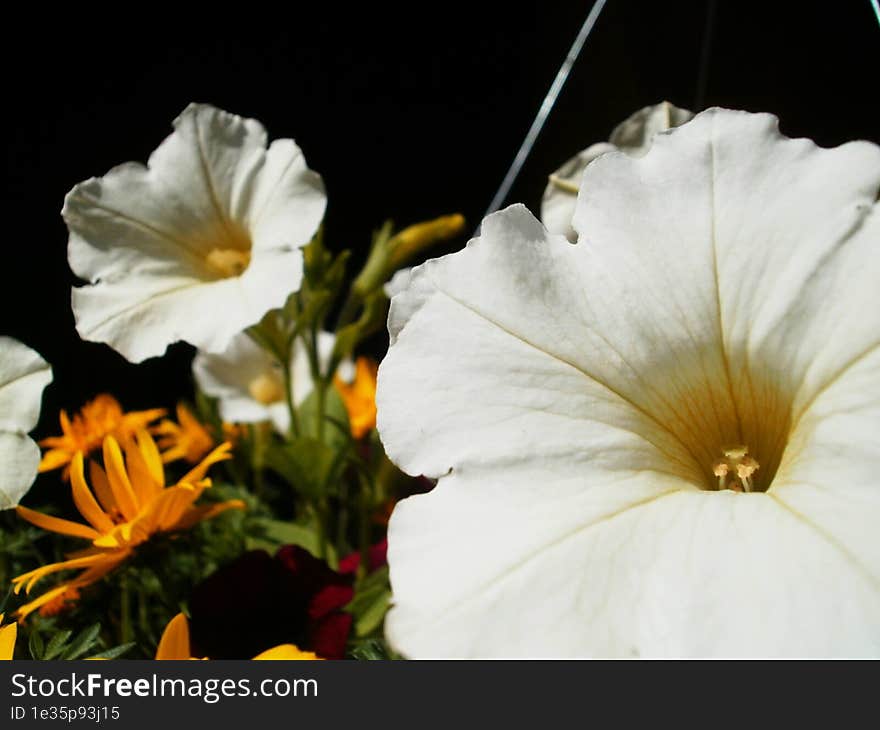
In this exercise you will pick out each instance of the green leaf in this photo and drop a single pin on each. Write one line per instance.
(84, 641)
(334, 411)
(35, 645)
(315, 305)
(115, 652)
(373, 317)
(305, 463)
(372, 617)
(370, 650)
(275, 533)
(56, 644)
(371, 601)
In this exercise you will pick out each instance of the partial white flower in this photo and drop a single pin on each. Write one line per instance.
(593, 410)
(23, 376)
(632, 136)
(196, 246)
(398, 282)
(249, 382)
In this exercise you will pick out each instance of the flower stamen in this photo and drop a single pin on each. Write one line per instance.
(738, 466)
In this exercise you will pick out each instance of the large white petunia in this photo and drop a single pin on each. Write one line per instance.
(23, 376)
(196, 246)
(717, 324)
(633, 136)
(249, 382)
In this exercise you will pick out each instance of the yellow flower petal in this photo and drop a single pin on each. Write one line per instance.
(151, 456)
(120, 485)
(206, 512)
(285, 652)
(359, 397)
(169, 507)
(139, 474)
(83, 499)
(56, 524)
(101, 485)
(53, 459)
(221, 453)
(87, 577)
(7, 640)
(174, 643)
(89, 561)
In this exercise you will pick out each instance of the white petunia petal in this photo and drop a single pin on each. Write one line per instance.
(633, 136)
(560, 195)
(23, 376)
(398, 282)
(574, 400)
(686, 574)
(249, 383)
(196, 246)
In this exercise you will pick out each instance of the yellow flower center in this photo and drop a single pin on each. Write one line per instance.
(229, 250)
(228, 262)
(725, 420)
(266, 388)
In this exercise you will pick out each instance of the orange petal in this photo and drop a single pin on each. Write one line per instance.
(56, 524)
(7, 640)
(101, 485)
(141, 479)
(87, 577)
(53, 459)
(28, 580)
(174, 643)
(286, 652)
(221, 453)
(151, 456)
(168, 509)
(123, 493)
(83, 499)
(206, 512)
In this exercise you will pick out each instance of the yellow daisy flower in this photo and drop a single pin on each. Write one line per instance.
(127, 504)
(187, 439)
(7, 640)
(359, 396)
(85, 432)
(174, 644)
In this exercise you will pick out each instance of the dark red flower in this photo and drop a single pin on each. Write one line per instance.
(378, 556)
(257, 602)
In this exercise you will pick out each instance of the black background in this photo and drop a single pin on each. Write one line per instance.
(407, 113)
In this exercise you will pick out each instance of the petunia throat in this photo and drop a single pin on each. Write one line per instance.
(228, 262)
(267, 388)
(735, 469)
(233, 256)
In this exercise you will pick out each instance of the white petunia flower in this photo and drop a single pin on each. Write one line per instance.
(633, 136)
(23, 376)
(249, 382)
(196, 246)
(397, 283)
(597, 412)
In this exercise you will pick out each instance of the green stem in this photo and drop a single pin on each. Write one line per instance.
(342, 517)
(260, 443)
(349, 309)
(364, 506)
(288, 395)
(126, 631)
(319, 383)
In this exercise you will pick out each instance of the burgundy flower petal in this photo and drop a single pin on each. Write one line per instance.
(328, 636)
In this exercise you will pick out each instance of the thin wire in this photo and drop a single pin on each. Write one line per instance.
(876, 7)
(546, 108)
